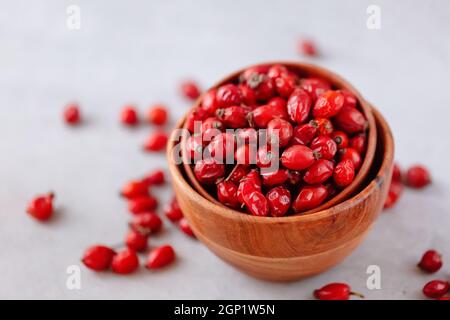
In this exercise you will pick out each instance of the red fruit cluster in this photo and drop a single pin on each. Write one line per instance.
(319, 132)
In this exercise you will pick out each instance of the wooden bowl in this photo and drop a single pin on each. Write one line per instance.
(305, 70)
(291, 247)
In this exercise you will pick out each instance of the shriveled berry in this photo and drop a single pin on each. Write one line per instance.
(319, 172)
(431, 261)
(157, 115)
(135, 188)
(98, 258)
(222, 146)
(173, 211)
(285, 85)
(157, 141)
(136, 240)
(207, 171)
(277, 71)
(279, 199)
(194, 147)
(359, 143)
(142, 204)
(340, 138)
(417, 176)
(344, 173)
(72, 114)
(323, 125)
(299, 105)
(195, 118)
(146, 223)
(246, 154)
(335, 291)
(314, 86)
(256, 203)
(227, 194)
(247, 95)
(324, 147)
(228, 95)
(128, 116)
(267, 157)
(328, 104)
(297, 157)
(233, 117)
(160, 257)
(248, 184)
(436, 289)
(261, 85)
(275, 178)
(394, 193)
(279, 131)
(209, 102)
(125, 262)
(155, 178)
(350, 120)
(41, 207)
(261, 116)
(211, 127)
(351, 154)
(190, 89)
(186, 228)
(238, 172)
(310, 197)
(246, 136)
(304, 134)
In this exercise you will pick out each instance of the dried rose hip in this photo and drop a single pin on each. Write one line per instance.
(279, 131)
(314, 86)
(394, 193)
(173, 211)
(146, 222)
(341, 139)
(155, 178)
(310, 197)
(228, 95)
(142, 204)
(160, 257)
(436, 289)
(279, 199)
(344, 173)
(307, 48)
(350, 120)
(227, 194)
(304, 133)
(431, 261)
(233, 117)
(297, 157)
(98, 258)
(324, 147)
(125, 262)
(328, 104)
(396, 173)
(358, 143)
(417, 177)
(352, 155)
(207, 171)
(135, 188)
(275, 178)
(299, 105)
(335, 291)
(319, 172)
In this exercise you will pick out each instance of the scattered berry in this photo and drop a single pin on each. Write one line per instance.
(125, 262)
(98, 257)
(157, 141)
(41, 207)
(417, 177)
(335, 291)
(160, 257)
(128, 116)
(157, 115)
(190, 89)
(431, 261)
(72, 114)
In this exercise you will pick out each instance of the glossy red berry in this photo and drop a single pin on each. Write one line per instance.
(207, 171)
(394, 193)
(246, 154)
(160, 257)
(227, 194)
(142, 204)
(190, 89)
(304, 134)
(279, 199)
(344, 173)
(297, 157)
(350, 120)
(340, 138)
(41, 207)
(238, 172)
(98, 258)
(135, 188)
(128, 116)
(307, 47)
(275, 178)
(277, 71)
(431, 261)
(310, 197)
(136, 240)
(211, 127)
(155, 178)
(324, 147)
(279, 131)
(417, 176)
(125, 262)
(299, 105)
(194, 147)
(396, 173)
(267, 157)
(209, 102)
(436, 289)
(72, 114)
(186, 228)
(319, 172)
(228, 95)
(285, 85)
(262, 86)
(350, 99)
(146, 223)
(335, 291)
(315, 86)
(233, 117)
(256, 203)
(157, 141)
(248, 184)
(352, 155)
(222, 146)
(247, 95)
(261, 116)
(323, 125)
(157, 115)
(195, 118)
(358, 143)
(328, 104)
(173, 211)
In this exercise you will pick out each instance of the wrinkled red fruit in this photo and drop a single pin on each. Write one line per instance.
(72, 114)
(262, 115)
(319, 172)
(323, 125)
(228, 95)
(125, 262)
(267, 156)
(314, 86)
(248, 184)
(98, 257)
(350, 120)
(128, 116)
(135, 189)
(417, 176)
(146, 223)
(340, 138)
(304, 134)
(209, 102)
(297, 157)
(184, 226)
(160, 257)
(394, 193)
(324, 147)
(436, 289)
(352, 155)
(310, 197)
(41, 207)
(227, 194)
(142, 204)
(358, 143)
(155, 178)
(238, 172)
(260, 83)
(279, 199)
(221, 146)
(328, 104)
(275, 178)
(190, 89)
(233, 117)
(157, 115)
(279, 131)
(335, 291)
(431, 261)
(344, 173)
(299, 105)
(195, 118)
(256, 203)
(207, 171)
(156, 142)
(136, 240)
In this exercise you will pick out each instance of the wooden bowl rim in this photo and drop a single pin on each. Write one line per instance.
(333, 78)
(334, 210)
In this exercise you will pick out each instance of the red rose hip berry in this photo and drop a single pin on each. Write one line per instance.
(431, 261)
(146, 223)
(279, 130)
(436, 289)
(328, 104)
(173, 211)
(279, 199)
(358, 143)
(98, 258)
(299, 105)
(190, 89)
(157, 115)
(350, 120)
(157, 141)
(344, 173)
(335, 291)
(297, 157)
(319, 172)
(160, 257)
(341, 139)
(72, 114)
(207, 171)
(142, 204)
(352, 155)
(135, 189)
(233, 117)
(417, 177)
(228, 95)
(304, 134)
(128, 116)
(41, 207)
(125, 262)
(310, 197)
(324, 147)
(186, 228)
(227, 194)
(256, 203)
(136, 240)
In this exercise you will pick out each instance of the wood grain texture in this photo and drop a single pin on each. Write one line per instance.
(292, 247)
(305, 70)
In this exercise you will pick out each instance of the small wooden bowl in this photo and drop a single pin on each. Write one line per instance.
(291, 247)
(305, 70)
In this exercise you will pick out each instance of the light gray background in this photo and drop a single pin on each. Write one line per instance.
(138, 51)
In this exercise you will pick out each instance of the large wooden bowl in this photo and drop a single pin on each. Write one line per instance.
(305, 70)
(291, 247)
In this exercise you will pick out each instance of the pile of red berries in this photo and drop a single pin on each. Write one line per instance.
(318, 131)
